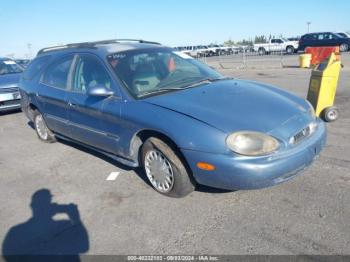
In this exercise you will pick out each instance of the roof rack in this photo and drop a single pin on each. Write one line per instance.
(93, 44)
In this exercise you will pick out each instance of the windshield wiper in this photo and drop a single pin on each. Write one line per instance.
(193, 84)
(206, 80)
(161, 90)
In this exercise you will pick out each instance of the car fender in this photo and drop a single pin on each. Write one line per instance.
(185, 131)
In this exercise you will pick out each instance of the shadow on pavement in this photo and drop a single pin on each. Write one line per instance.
(43, 237)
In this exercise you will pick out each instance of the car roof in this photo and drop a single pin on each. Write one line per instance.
(325, 32)
(104, 47)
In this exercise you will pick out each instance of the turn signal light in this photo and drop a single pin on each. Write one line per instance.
(205, 166)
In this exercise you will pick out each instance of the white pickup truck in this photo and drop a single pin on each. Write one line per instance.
(277, 45)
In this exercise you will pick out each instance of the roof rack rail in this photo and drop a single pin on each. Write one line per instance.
(93, 44)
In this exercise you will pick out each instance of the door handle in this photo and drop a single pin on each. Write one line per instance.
(71, 104)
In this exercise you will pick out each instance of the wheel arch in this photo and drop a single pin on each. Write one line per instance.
(142, 135)
(29, 110)
(290, 46)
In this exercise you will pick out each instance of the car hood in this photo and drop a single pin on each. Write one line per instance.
(233, 105)
(9, 80)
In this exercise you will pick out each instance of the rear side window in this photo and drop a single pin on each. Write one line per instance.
(309, 37)
(35, 67)
(57, 73)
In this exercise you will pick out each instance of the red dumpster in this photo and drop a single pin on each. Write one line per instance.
(320, 53)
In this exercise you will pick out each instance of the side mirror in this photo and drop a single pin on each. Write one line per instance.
(99, 90)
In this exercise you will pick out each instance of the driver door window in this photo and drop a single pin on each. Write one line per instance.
(89, 72)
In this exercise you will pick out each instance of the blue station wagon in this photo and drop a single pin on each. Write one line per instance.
(146, 105)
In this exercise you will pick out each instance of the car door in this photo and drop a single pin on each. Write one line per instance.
(273, 45)
(310, 40)
(52, 94)
(323, 39)
(280, 46)
(334, 40)
(86, 112)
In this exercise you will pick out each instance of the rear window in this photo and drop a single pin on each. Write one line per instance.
(35, 67)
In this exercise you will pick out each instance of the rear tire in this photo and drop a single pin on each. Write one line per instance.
(41, 128)
(165, 170)
(344, 47)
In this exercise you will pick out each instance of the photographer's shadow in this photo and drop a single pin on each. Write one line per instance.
(44, 235)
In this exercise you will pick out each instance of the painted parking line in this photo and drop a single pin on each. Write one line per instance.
(112, 176)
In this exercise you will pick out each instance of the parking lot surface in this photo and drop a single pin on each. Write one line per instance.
(122, 214)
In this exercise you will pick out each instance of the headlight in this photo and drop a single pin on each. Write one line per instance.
(251, 143)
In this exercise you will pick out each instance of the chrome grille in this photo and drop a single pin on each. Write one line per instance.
(301, 135)
(8, 90)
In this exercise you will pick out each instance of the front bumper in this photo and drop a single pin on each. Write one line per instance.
(10, 101)
(235, 172)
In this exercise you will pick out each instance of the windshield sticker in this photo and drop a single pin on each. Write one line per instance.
(183, 55)
(9, 62)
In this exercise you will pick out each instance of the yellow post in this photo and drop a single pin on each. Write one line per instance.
(323, 86)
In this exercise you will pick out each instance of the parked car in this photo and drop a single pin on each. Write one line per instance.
(10, 74)
(22, 62)
(223, 50)
(277, 45)
(184, 123)
(324, 39)
(214, 49)
(194, 51)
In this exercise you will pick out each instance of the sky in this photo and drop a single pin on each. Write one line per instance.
(43, 23)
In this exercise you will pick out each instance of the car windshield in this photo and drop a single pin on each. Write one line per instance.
(152, 71)
(9, 67)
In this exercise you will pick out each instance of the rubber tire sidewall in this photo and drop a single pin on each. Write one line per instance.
(291, 48)
(262, 51)
(50, 136)
(183, 182)
(346, 49)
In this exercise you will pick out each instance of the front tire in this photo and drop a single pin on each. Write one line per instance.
(262, 51)
(290, 50)
(41, 128)
(165, 170)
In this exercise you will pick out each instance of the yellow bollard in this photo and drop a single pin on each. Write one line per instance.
(305, 60)
(323, 87)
